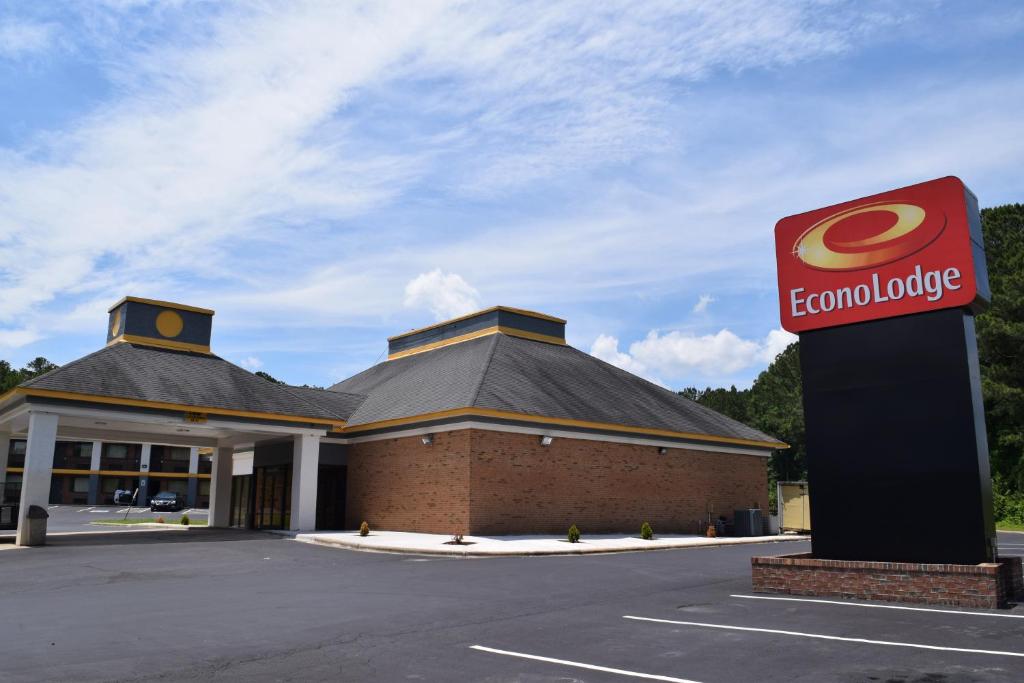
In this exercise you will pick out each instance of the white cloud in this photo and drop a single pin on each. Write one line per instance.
(606, 348)
(16, 338)
(447, 295)
(678, 355)
(251, 363)
(259, 126)
(22, 38)
(702, 303)
(775, 343)
(247, 161)
(674, 354)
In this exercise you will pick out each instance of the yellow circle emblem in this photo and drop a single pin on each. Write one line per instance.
(115, 323)
(169, 324)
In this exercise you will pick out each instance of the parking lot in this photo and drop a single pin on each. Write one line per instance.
(75, 518)
(208, 604)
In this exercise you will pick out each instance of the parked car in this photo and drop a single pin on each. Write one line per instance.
(122, 497)
(166, 500)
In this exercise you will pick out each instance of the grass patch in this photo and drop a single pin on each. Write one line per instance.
(1009, 526)
(144, 520)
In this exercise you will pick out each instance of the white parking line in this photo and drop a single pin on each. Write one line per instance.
(821, 636)
(861, 604)
(581, 665)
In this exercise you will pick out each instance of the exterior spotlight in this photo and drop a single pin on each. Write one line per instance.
(662, 450)
(546, 440)
(427, 439)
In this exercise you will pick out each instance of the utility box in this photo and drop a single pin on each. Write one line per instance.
(748, 522)
(36, 521)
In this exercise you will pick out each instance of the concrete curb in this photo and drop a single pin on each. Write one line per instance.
(312, 539)
(147, 525)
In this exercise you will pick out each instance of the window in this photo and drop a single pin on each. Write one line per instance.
(80, 485)
(74, 455)
(169, 459)
(16, 456)
(121, 456)
(179, 486)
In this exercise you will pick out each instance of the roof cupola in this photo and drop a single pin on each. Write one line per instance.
(497, 320)
(160, 323)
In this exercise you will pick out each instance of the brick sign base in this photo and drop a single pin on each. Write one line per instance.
(988, 585)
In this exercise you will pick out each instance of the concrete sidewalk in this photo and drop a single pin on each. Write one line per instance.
(489, 546)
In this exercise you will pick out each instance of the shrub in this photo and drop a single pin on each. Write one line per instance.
(574, 534)
(160, 520)
(457, 539)
(185, 521)
(646, 532)
(364, 529)
(1008, 506)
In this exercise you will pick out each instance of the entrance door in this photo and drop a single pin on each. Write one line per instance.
(272, 497)
(330, 497)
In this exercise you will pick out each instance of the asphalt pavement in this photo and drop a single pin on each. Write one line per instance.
(229, 605)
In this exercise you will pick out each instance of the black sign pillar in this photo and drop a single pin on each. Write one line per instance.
(897, 449)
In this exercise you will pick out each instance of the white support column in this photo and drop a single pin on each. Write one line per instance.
(144, 495)
(5, 449)
(193, 482)
(35, 483)
(97, 453)
(305, 463)
(94, 468)
(220, 487)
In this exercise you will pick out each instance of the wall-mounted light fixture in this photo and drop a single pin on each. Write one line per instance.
(546, 440)
(662, 450)
(427, 439)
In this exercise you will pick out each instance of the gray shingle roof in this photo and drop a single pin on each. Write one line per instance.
(338, 402)
(506, 373)
(147, 373)
(497, 372)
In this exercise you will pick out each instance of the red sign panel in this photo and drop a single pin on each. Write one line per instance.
(896, 253)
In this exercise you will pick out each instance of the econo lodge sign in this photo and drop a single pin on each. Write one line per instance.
(896, 253)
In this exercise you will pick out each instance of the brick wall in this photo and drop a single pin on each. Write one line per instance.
(403, 485)
(982, 585)
(517, 485)
(485, 482)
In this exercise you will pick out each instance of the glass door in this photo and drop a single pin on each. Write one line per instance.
(272, 497)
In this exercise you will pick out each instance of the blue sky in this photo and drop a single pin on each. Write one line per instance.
(325, 175)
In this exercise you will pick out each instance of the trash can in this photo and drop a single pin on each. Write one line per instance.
(36, 521)
(748, 522)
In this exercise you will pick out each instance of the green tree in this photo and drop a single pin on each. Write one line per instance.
(1000, 332)
(10, 378)
(268, 377)
(775, 406)
(37, 367)
(731, 401)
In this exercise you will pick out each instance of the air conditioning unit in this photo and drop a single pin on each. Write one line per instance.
(748, 522)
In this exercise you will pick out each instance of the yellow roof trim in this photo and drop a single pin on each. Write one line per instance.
(161, 343)
(121, 473)
(164, 304)
(486, 332)
(520, 311)
(335, 424)
(524, 417)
